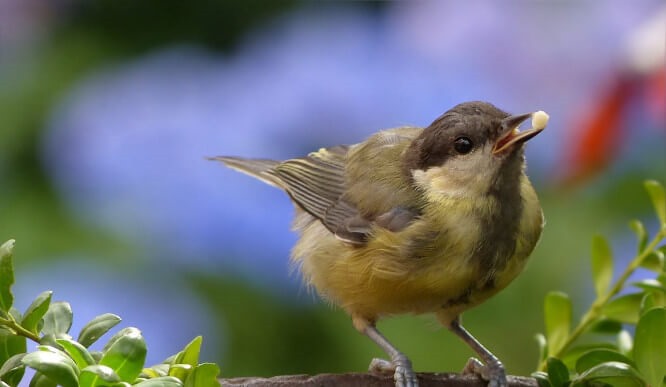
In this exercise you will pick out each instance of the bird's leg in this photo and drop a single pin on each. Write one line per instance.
(492, 370)
(400, 366)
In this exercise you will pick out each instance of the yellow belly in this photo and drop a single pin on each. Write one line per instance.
(416, 270)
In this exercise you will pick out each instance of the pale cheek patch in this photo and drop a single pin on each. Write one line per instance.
(436, 181)
(455, 182)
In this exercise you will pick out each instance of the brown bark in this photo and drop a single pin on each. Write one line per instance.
(371, 380)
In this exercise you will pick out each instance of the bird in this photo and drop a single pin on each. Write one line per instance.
(414, 220)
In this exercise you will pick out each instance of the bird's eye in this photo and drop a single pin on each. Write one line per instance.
(463, 145)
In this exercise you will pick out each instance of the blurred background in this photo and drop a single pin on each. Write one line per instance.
(108, 109)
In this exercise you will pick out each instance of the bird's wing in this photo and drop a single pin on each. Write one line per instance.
(262, 169)
(317, 184)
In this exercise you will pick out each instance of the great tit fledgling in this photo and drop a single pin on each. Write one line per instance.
(415, 220)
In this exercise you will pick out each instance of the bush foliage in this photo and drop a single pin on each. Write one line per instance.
(62, 360)
(619, 309)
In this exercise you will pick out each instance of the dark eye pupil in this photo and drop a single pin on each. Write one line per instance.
(463, 145)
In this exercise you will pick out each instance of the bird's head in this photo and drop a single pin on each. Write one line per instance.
(471, 149)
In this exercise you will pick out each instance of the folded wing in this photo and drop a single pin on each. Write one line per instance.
(317, 184)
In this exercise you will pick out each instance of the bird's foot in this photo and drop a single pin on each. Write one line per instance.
(492, 372)
(401, 367)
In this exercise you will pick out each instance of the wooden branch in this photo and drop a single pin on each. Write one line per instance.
(371, 380)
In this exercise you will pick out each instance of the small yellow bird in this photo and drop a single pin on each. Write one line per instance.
(415, 220)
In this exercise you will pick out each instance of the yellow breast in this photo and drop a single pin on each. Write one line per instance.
(429, 266)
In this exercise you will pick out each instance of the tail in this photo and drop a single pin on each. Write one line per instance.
(262, 169)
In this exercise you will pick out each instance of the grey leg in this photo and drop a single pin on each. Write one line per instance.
(493, 370)
(403, 374)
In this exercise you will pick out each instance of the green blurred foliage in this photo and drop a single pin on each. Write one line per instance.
(622, 358)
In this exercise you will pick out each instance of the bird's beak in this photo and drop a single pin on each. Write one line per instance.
(514, 136)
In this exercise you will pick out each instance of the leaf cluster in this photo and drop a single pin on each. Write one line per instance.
(619, 309)
(61, 360)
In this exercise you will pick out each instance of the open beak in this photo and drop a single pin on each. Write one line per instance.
(514, 136)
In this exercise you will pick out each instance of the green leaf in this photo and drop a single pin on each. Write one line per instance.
(653, 300)
(558, 374)
(641, 234)
(126, 354)
(157, 370)
(602, 264)
(650, 346)
(97, 327)
(180, 371)
(54, 349)
(540, 376)
(162, 381)
(40, 380)
(55, 366)
(606, 326)
(625, 343)
(49, 339)
(204, 375)
(15, 314)
(650, 284)
(557, 311)
(10, 345)
(13, 369)
(661, 250)
(14, 377)
(6, 276)
(543, 346)
(97, 355)
(98, 375)
(658, 197)
(35, 312)
(171, 359)
(598, 356)
(77, 352)
(654, 261)
(58, 318)
(150, 373)
(612, 373)
(571, 356)
(190, 355)
(116, 337)
(625, 308)
(12, 364)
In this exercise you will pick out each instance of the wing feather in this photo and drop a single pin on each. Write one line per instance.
(262, 169)
(318, 184)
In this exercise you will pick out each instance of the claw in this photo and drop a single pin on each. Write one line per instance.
(492, 372)
(403, 375)
(381, 366)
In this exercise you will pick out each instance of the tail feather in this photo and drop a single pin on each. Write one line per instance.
(262, 169)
